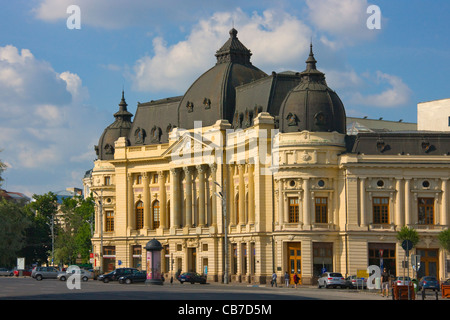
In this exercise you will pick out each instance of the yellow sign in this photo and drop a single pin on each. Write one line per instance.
(362, 274)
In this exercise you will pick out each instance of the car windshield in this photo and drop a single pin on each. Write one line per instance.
(429, 278)
(336, 275)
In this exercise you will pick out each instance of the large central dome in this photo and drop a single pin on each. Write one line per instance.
(312, 105)
(212, 96)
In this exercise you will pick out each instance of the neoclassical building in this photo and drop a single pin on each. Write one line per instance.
(263, 164)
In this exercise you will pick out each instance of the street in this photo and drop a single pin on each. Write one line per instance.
(27, 288)
(208, 300)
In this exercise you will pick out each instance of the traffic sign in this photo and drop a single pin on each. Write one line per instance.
(407, 245)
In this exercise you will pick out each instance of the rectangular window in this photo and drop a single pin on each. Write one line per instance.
(293, 210)
(380, 207)
(107, 181)
(321, 204)
(426, 211)
(139, 179)
(109, 221)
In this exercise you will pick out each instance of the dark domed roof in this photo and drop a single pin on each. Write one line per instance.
(119, 128)
(312, 105)
(212, 96)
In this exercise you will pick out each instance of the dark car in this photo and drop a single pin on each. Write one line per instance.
(429, 282)
(116, 274)
(192, 277)
(139, 276)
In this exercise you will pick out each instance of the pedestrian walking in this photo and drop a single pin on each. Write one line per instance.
(274, 279)
(296, 279)
(286, 279)
(385, 278)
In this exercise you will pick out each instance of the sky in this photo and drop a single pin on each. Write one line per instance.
(60, 85)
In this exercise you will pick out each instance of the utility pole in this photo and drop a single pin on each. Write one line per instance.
(222, 195)
(100, 202)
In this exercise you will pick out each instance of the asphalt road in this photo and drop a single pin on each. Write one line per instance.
(12, 288)
(27, 296)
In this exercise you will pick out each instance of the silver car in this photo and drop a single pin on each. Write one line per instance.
(40, 273)
(331, 279)
(85, 275)
(6, 272)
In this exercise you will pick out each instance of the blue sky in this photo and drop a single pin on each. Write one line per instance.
(59, 87)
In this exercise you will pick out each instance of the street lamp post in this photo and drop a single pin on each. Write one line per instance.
(222, 195)
(100, 202)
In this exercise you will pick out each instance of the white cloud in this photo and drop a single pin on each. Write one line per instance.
(397, 94)
(344, 20)
(45, 128)
(274, 37)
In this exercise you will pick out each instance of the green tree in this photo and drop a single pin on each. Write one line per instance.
(444, 239)
(42, 213)
(406, 233)
(74, 233)
(14, 221)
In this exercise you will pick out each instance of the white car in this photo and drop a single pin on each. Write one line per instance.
(402, 281)
(85, 275)
(332, 279)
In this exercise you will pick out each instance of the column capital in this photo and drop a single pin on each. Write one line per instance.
(200, 168)
(213, 167)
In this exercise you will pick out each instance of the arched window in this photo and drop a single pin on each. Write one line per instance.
(139, 215)
(156, 217)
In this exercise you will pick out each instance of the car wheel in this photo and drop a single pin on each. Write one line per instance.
(62, 278)
(128, 281)
(85, 279)
(39, 277)
(106, 280)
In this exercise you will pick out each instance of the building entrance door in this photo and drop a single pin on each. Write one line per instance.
(294, 261)
(192, 260)
(429, 262)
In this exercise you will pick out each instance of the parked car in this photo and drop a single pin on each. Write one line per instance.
(6, 272)
(355, 282)
(139, 276)
(331, 279)
(429, 282)
(85, 275)
(116, 274)
(40, 273)
(402, 281)
(192, 277)
(24, 273)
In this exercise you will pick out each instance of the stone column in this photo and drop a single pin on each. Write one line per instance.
(251, 193)
(146, 199)
(241, 195)
(130, 200)
(188, 180)
(444, 206)
(175, 198)
(306, 203)
(201, 196)
(162, 200)
(281, 219)
(408, 202)
(230, 196)
(399, 217)
(213, 168)
(362, 188)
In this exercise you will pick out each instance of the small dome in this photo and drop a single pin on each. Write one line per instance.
(312, 105)
(212, 96)
(119, 128)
